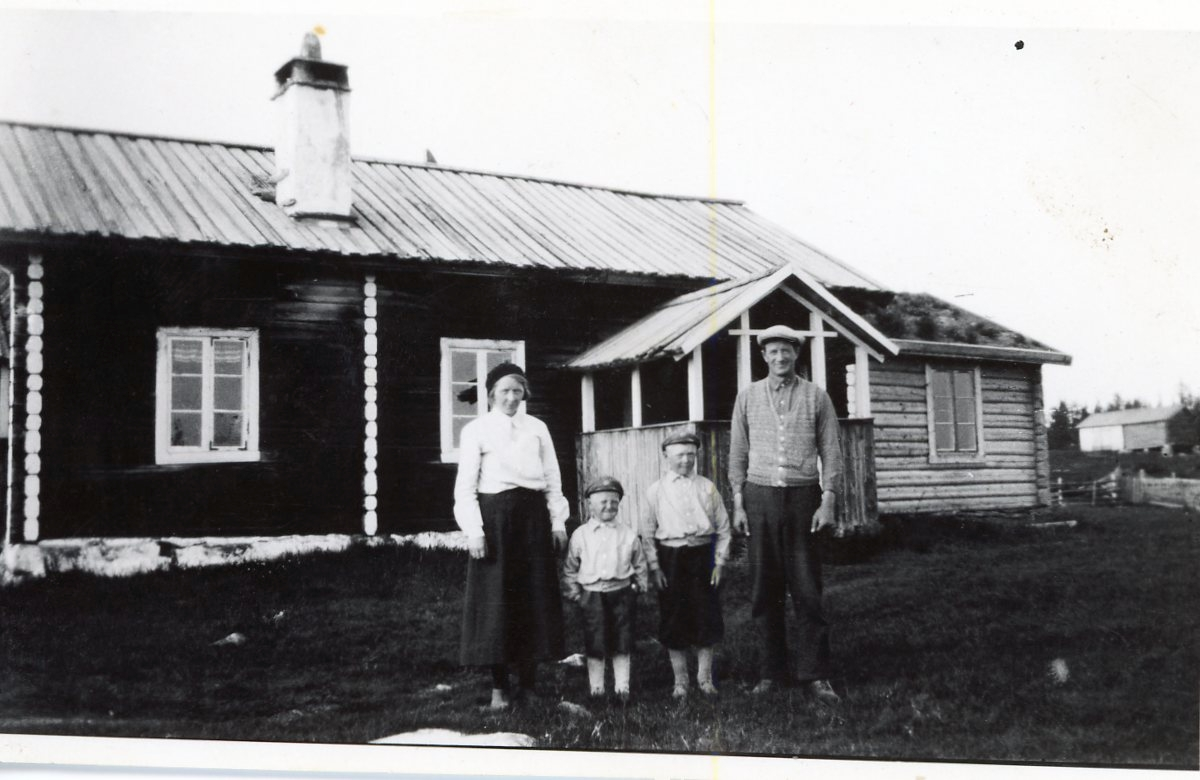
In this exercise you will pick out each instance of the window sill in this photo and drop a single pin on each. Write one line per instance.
(219, 456)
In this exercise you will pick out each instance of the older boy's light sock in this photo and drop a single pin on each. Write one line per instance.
(596, 675)
(680, 667)
(621, 673)
(704, 662)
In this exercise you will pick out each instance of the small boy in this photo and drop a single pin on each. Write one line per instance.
(604, 563)
(685, 535)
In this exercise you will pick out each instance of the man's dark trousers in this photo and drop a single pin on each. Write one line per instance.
(783, 558)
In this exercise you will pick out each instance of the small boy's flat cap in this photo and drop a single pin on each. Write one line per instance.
(779, 333)
(683, 437)
(605, 485)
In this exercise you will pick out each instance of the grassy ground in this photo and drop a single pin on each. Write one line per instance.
(944, 635)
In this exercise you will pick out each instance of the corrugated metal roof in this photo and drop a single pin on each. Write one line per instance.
(70, 182)
(680, 325)
(1131, 416)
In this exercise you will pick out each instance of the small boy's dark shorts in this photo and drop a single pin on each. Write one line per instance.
(608, 621)
(690, 608)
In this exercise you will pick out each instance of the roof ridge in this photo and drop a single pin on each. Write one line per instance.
(372, 159)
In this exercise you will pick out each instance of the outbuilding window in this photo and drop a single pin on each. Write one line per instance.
(465, 366)
(207, 396)
(955, 412)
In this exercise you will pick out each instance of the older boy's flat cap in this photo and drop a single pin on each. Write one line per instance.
(683, 437)
(605, 485)
(779, 333)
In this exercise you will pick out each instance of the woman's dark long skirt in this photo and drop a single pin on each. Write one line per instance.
(513, 610)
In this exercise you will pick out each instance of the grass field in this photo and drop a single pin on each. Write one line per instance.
(944, 635)
(1076, 467)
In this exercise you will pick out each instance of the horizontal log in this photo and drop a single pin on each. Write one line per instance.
(896, 393)
(990, 407)
(913, 493)
(893, 462)
(914, 406)
(1012, 373)
(1005, 384)
(896, 420)
(896, 379)
(1007, 434)
(1007, 396)
(1009, 447)
(954, 477)
(942, 504)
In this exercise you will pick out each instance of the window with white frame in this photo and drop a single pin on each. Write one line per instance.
(465, 366)
(207, 396)
(955, 412)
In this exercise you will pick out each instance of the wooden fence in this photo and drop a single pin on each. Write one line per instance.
(1162, 491)
(1103, 491)
(634, 456)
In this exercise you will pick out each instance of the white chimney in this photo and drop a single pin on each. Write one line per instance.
(312, 148)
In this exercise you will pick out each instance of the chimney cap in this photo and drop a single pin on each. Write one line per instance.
(311, 70)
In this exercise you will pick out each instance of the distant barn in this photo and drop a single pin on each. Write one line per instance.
(1166, 429)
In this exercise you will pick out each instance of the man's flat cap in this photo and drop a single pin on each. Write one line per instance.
(605, 485)
(683, 437)
(779, 333)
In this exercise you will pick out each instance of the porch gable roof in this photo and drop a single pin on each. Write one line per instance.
(677, 327)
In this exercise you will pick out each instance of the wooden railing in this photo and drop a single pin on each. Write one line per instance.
(634, 456)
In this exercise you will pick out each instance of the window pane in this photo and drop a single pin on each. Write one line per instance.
(227, 357)
(462, 366)
(496, 358)
(964, 410)
(941, 384)
(185, 392)
(459, 423)
(227, 429)
(186, 356)
(964, 384)
(966, 437)
(227, 393)
(185, 429)
(944, 436)
(464, 400)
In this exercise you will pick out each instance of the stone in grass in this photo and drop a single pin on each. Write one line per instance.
(1059, 672)
(446, 737)
(575, 659)
(233, 639)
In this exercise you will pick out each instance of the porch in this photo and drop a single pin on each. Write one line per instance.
(634, 456)
(680, 367)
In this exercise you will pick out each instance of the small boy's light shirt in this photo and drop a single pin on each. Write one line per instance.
(684, 511)
(604, 557)
(498, 452)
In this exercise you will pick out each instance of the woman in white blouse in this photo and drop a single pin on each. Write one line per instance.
(508, 501)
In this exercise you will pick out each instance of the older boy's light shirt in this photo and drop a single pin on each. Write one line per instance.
(684, 511)
(604, 557)
(497, 452)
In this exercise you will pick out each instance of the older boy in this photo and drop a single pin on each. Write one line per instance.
(604, 563)
(685, 534)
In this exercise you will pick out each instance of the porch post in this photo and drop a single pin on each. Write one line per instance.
(370, 408)
(635, 396)
(587, 399)
(743, 351)
(862, 383)
(695, 385)
(816, 324)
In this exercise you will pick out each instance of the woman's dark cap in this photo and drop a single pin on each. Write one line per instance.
(683, 437)
(605, 485)
(501, 371)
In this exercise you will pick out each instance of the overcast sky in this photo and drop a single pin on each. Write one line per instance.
(1051, 187)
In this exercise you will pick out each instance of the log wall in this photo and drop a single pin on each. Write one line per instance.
(1013, 472)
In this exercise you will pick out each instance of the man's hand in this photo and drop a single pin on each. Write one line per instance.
(560, 542)
(477, 547)
(824, 516)
(715, 580)
(741, 523)
(659, 579)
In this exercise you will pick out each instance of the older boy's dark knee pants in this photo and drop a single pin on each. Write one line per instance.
(783, 559)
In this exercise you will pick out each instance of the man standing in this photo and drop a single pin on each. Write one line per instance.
(780, 426)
